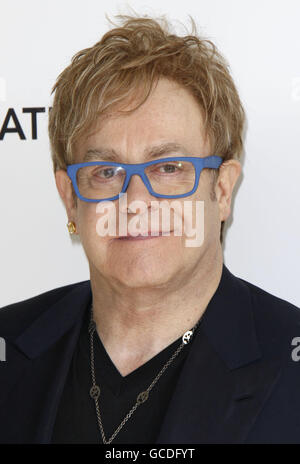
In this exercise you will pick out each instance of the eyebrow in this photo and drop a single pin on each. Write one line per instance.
(109, 154)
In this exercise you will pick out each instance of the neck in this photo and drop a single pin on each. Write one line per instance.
(136, 324)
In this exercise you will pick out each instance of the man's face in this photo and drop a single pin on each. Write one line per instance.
(170, 115)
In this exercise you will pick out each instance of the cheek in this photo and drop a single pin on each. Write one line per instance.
(86, 216)
(87, 222)
(202, 210)
(93, 222)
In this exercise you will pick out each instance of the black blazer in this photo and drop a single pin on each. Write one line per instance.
(239, 383)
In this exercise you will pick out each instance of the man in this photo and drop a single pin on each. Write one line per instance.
(163, 344)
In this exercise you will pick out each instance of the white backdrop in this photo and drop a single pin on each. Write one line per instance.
(261, 41)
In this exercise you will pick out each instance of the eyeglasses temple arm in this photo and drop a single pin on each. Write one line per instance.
(210, 162)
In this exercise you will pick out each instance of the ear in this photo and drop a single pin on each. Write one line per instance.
(65, 190)
(228, 175)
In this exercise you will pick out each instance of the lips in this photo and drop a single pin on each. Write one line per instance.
(141, 237)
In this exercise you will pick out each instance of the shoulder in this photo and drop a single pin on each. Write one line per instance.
(267, 304)
(277, 321)
(17, 316)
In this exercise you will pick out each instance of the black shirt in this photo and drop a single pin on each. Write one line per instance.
(76, 420)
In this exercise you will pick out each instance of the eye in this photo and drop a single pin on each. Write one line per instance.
(105, 172)
(167, 168)
(170, 168)
(108, 172)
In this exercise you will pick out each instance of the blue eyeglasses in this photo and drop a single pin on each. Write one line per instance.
(172, 177)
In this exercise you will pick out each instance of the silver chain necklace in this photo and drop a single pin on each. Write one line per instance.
(143, 396)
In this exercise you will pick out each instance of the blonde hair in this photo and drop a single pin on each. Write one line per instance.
(125, 65)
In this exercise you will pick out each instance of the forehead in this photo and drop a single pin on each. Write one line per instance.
(170, 115)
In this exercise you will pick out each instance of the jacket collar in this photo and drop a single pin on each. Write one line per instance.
(227, 321)
(55, 321)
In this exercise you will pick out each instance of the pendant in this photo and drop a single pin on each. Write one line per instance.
(186, 337)
(95, 392)
(142, 397)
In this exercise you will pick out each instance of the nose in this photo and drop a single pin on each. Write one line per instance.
(137, 190)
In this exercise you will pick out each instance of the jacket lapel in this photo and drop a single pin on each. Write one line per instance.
(225, 380)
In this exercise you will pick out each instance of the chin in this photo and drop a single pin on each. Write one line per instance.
(150, 281)
(146, 274)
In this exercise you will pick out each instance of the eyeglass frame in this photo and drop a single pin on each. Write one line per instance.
(199, 163)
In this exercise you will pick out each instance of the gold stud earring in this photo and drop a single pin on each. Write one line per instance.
(71, 227)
